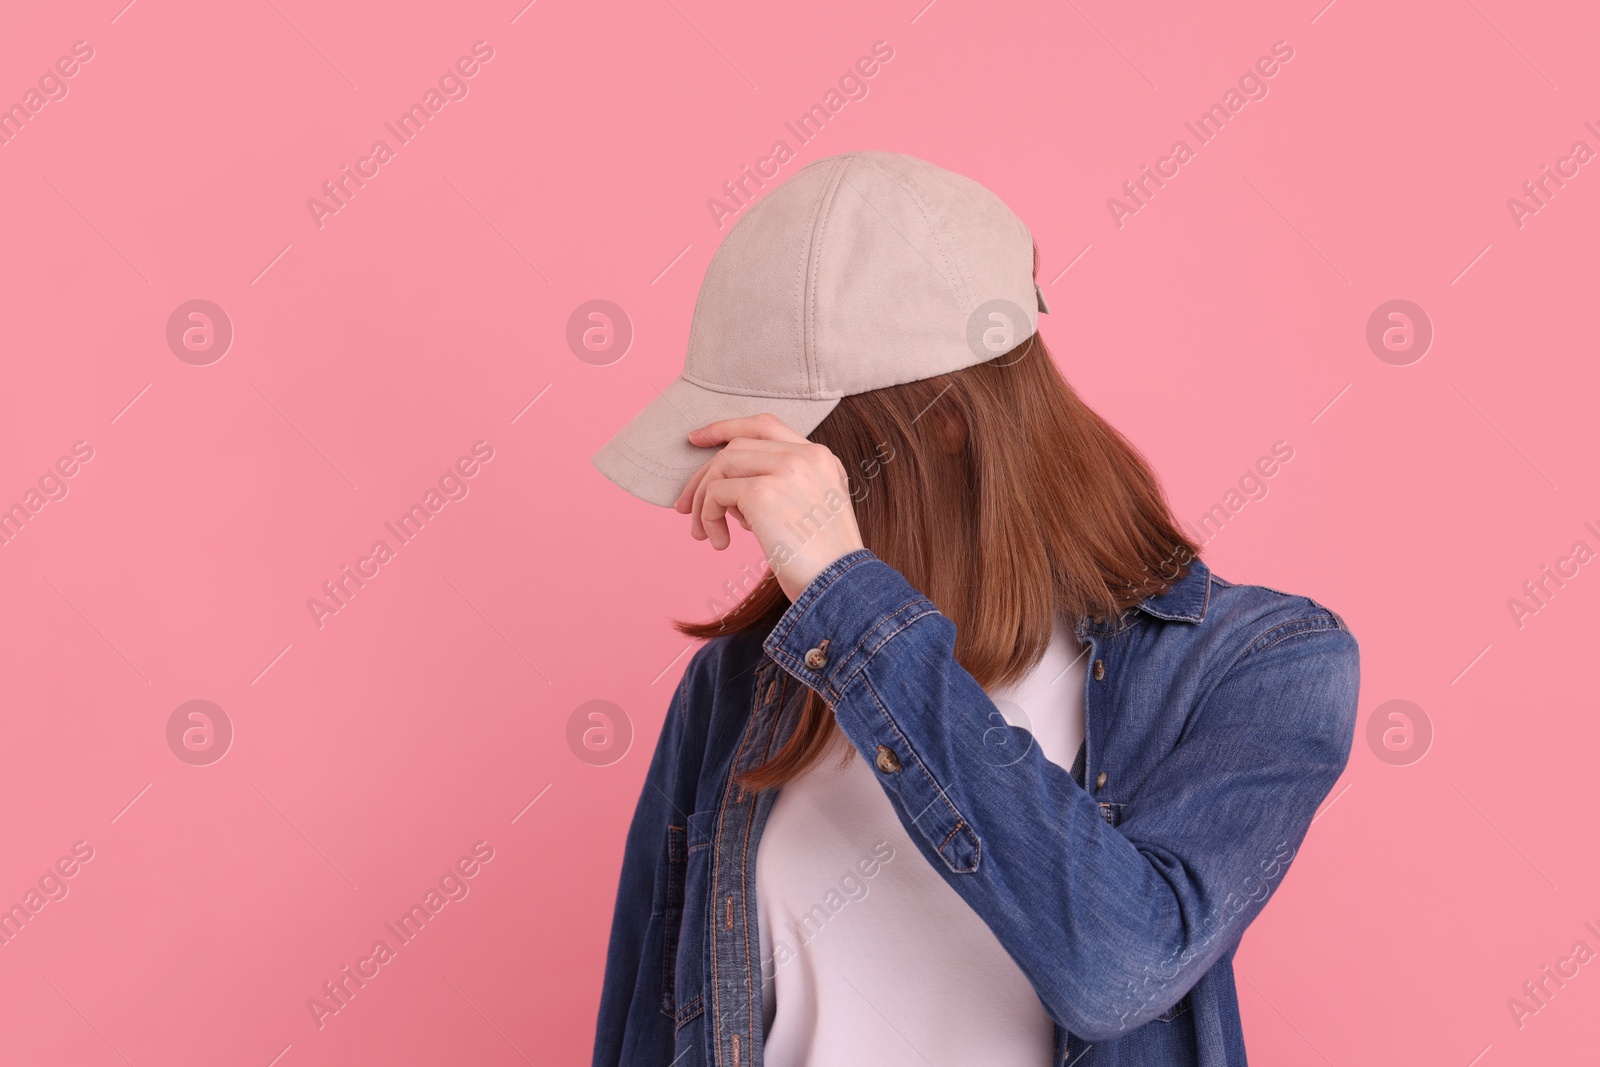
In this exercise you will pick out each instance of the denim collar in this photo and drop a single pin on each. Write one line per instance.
(1184, 600)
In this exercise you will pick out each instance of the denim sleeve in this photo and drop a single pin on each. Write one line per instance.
(1112, 925)
(632, 1028)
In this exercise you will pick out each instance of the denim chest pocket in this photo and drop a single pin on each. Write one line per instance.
(688, 855)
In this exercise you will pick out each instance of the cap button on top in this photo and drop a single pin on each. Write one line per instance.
(1099, 669)
(817, 658)
(1100, 780)
(887, 761)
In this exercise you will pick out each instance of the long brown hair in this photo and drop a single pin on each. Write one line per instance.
(1003, 498)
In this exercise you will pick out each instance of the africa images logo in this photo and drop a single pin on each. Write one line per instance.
(852, 85)
(453, 886)
(1252, 85)
(51, 86)
(453, 485)
(452, 85)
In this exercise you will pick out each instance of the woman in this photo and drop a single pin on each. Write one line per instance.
(990, 768)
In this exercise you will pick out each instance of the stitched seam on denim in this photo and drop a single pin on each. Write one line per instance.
(810, 596)
(1334, 615)
(784, 656)
(1299, 633)
(1286, 630)
(678, 704)
(744, 891)
(782, 682)
(1280, 592)
(815, 592)
(838, 691)
(669, 1003)
(977, 842)
(1337, 618)
(1240, 657)
(689, 1012)
(960, 825)
(1176, 1011)
(1205, 602)
(671, 848)
(669, 992)
(716, 876)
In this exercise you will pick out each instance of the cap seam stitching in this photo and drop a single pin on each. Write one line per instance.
(650, 466)
(819, 222)
(962, 285)
(725, 391)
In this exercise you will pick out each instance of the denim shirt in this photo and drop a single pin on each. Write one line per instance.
(1217, 719)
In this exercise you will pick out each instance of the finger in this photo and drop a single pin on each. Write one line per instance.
(765, 426)
(742, 458)
(719, 497)
(714, 471)
(685, 502)
(685, 499)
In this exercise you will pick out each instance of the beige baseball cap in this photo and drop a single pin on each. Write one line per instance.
(862, 271)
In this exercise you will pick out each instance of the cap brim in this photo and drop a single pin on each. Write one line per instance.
(651, 457)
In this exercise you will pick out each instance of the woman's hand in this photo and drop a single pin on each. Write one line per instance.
(792, 494)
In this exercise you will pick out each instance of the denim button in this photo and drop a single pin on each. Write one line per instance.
(1099, 669)
(887, 761)
(817, 658)
(1100, 780)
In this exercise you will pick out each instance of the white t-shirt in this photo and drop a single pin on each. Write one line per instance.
(868, 956)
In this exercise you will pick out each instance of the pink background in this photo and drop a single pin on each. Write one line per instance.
(369, 354)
